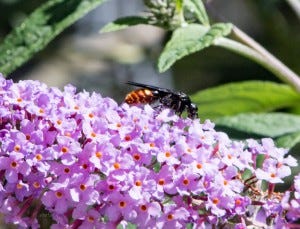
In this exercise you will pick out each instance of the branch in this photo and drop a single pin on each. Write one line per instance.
(254, 51)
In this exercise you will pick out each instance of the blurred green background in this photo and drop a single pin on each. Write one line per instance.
(103, 62)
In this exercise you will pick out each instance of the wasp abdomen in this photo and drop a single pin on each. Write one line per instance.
(139, 96)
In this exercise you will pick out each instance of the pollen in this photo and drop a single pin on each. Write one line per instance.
(273, 175)
(41, 111)
(215, 200)
(68, 134)
(117, 165)
(99, 154)
(91, 115)
(170, 216)
(122, 204)
(91, 219)
(58, 194)
(138, 183)
(39, 157)
(161, 181)
(152, 144)
(59, 122)
(93, 134)
(76, 107)
(28, 137)
(199, 166)
(168, 154)
(82, 187)
(17, 148)
(36, 184)
(143, 207)
(111, 187)
(19, 186)
(185, 181)
(127, 138)
(13, 164)
(19, 100)
(84, 166)
(67, 170)
(118, 125)
(238, 202)
(136, 156)
(64, 149)
(225, 182)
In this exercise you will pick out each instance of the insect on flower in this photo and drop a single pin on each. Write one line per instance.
(178, 101)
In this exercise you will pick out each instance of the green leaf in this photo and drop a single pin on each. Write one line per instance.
(289, 140)
(197, 7)
(43, 25)
(266, 124)
(242, 97)
(190, 39)
(123, 23)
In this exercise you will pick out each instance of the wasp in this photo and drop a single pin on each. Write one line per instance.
(178, 101)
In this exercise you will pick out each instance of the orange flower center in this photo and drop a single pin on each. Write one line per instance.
(161, 181)
(64, 149)
(138, 183)
(99, 154)
(122, 204)
(117, 165)
(39, 157)
(170, 216)
(199, 166)
(82, 187)
(127, 138)
(137, 157)
(58, 194)
(215, 200)
(185, 181)
(143, 207)
(36, 184)
(17, 148)
(67, 170)
(13, 164)
(168, 154)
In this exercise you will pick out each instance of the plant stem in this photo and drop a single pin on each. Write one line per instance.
(295, 5)
(257, 53)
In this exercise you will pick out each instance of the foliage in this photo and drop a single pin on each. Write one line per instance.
(42, 26)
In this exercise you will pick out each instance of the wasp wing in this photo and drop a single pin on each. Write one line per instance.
(150, 87)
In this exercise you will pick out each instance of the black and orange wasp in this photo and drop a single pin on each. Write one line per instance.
(176, 100)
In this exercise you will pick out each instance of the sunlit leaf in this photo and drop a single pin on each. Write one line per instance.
(189, 39)
(197, 7)
(248, 96)
(264, 124)
(123, 23)
(289, 140)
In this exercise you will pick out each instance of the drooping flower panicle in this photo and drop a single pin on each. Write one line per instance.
(84, 161)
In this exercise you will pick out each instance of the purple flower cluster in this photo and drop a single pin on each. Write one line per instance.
(83, 161)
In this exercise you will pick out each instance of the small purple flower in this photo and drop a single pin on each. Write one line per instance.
(90, 163)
